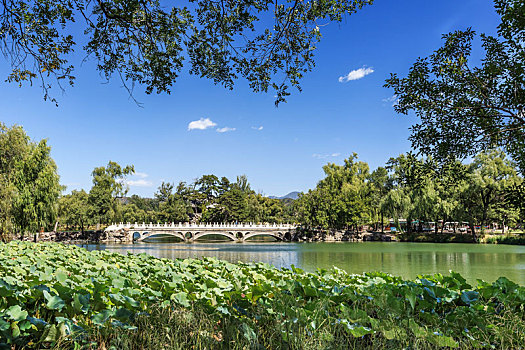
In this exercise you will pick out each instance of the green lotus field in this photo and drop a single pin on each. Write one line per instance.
(62, 296)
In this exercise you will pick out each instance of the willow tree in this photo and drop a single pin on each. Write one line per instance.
(490, 176)
(29, 183)
(271, 44)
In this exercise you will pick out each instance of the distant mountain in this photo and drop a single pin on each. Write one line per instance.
(292, 195)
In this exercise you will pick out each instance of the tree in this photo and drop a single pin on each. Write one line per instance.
(74, 209)
(108, 185)
(490, 175)
(29, 183)
(171, 208)
(164, 192)
(340, 200)
(380, 186)
(466, 109)
(269, 44)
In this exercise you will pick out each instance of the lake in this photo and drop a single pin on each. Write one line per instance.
(473, 261)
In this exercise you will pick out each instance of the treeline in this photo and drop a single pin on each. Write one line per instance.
(419, 190)
(207, 199)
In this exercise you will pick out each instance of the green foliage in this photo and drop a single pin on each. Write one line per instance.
(466, 109)
(29, 183)
(74, 209)
(491, 175)
(510, 239)
(108, 184)
(171, 206)
(425, 191)
(53, 293)
(269, 44)
(341, 199)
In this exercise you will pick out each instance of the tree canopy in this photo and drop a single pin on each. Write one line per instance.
(270, 44)
(465, 108)
(29, 183)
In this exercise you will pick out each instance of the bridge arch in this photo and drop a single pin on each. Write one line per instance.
(198, 235)
(239, 235)
(160, 234)
(277, 235)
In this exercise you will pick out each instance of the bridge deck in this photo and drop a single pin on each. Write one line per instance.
(191, 232)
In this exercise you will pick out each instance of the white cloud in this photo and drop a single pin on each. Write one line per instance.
(138, 183)
(356, 74)
(259, 128)
(201, 124)
(394, 100)
(324, 156)
(225, 129)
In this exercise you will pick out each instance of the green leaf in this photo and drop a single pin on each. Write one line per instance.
(49, 335)
(54, 302)
(444, 341)
(4, 326)
(24, 325)
(223, 310)
(358, 331)
(249, 333)
(16, 313)
(418, 331)
(15, 330)
(61, 276)
(5, 288)
(102, 317)
(310, 291)
(118, 283)
(81, 303)
(181, 298)
(411, 297)
(124, 314)
(223, 284)
(469, 297)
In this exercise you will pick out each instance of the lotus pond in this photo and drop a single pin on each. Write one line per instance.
(63, 296)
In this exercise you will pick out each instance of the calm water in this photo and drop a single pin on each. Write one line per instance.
(473, 261)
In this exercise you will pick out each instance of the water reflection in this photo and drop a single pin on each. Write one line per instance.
(408, 260)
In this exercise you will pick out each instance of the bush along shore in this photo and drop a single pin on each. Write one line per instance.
(62, 296)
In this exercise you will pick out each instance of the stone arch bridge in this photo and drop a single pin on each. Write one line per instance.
(190, 232)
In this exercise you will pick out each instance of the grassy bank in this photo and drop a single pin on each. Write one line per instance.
(436, 238)
(53, 295)
(505, 239)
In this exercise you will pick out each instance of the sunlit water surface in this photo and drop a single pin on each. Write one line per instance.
(473, 261)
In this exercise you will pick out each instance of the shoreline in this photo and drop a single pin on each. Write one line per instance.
(306, 236)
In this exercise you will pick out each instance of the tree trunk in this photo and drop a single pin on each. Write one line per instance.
(382, 227)
(443, 225)
(473, 230)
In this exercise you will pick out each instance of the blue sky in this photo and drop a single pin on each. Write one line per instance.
(279, 149)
